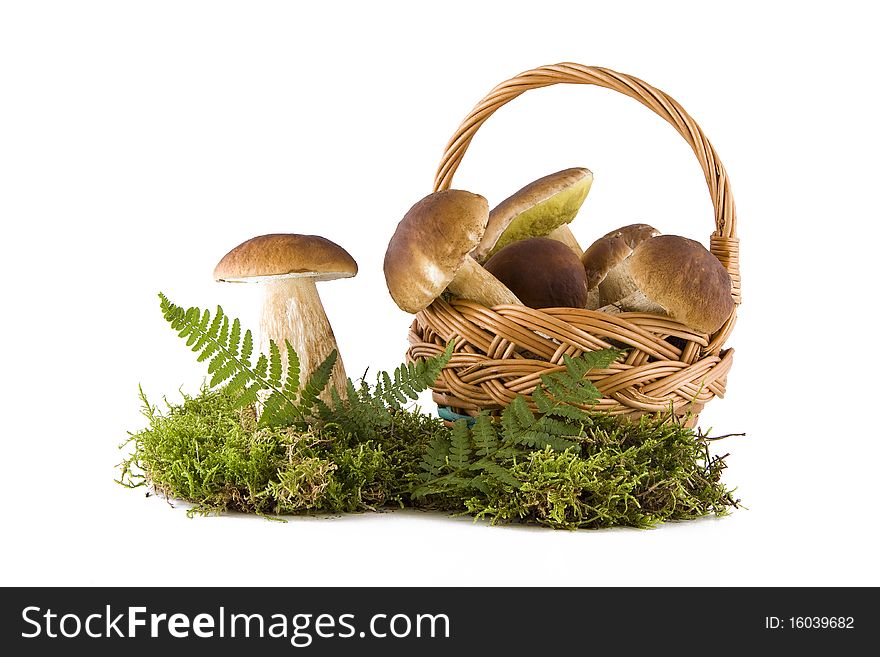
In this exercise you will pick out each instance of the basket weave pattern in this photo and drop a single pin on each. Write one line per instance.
(502, 352)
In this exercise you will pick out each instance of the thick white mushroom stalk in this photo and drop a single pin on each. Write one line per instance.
(293, 312)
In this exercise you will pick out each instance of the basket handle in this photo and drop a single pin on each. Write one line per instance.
(723, 242)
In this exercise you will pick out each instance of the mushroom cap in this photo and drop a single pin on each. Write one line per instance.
(535, 210)
(685, 278)
(542, 272)
(634, 233)
(283, 255)
(602, 256)
(430, 244)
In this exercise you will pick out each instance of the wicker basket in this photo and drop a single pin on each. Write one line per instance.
(502, 352)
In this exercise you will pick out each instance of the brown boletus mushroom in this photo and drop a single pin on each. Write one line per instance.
(542, 272)
(678, 277)
(634, 233)
(602, 259)
(288, 266)
(428, 253)
(542, 208)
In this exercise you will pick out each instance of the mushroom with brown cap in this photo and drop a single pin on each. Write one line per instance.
(634, 234)
(542, 272)
(428, 253)
(678, 277)
(288, 266)
(603, 258)
(543, 208)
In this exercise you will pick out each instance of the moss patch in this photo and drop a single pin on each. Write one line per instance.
(213, 455)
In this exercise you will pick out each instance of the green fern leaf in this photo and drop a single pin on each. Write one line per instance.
(351, 394)
(434, 460)
(498, 472)
(316, 383)
(248, 396)
(223, 338)
(460, 448)
(571, 413)
(271, 410)
(217, 362)
(521, 412)
(556, 427)
(274, 365)
(291, 385)
(542, 439)
(234, 343)
(262, 368)
(542, 401)
(238, 382)
(223, 372)
(485, 436)
(218, 340)
(247, 347)
(596, 360)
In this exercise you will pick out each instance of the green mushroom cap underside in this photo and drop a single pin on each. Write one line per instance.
(545, 216)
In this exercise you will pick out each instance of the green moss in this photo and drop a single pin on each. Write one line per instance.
(636, 475)
(207, 452)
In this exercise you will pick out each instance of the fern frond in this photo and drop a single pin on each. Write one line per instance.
(516, 418)
(593, 360)
(410, 379)
(230, 355)
(316, 382)
(261, 369)
(498, 472)
(247, 347)
(274, 365)
(460, 447)
(434, 460)
(248, 396)
(485, 436)
(571, 413)
(279, 411)
(537, 439)
(272, 409)
(556, 427)
(291, 385)
(228, 349)
(234, 343)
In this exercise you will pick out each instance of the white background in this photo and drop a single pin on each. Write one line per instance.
(141, 141)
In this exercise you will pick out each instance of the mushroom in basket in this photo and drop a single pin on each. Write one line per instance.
(603, 257)
(543, 208)
(288, 266)
(673, 276)
(542, 272)
(429, 252)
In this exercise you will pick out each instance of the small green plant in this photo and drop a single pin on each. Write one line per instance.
(473, 457)
(230, 352)
(212, 454)
(555, 463)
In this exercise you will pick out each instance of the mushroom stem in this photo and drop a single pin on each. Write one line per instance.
(634, 302)
(563, 234)
(594, 299)
(293, 312)
(617, 284)
(475, 283)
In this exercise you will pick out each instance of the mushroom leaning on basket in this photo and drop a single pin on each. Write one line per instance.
(429, 252)
(673, 276)
(542, 272)
(288, 266)
(602, 261)
(543, 208)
